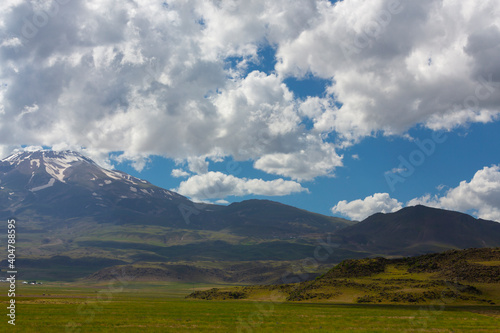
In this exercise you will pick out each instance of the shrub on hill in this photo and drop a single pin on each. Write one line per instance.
(459, 265)
(216, 294)
(357, 268)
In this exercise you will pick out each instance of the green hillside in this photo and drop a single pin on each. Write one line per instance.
(460, 277)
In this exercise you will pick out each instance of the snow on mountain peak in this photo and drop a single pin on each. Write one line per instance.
(46, 155)
(47, 171)
(56, 163)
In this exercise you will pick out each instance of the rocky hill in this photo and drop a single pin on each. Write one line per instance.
(454, 277)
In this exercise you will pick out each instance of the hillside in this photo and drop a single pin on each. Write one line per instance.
(269, 219)
(52, 188)
(418, 230)
(76, 218)
(454, 277)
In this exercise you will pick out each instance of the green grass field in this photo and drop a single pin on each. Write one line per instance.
(161, 307)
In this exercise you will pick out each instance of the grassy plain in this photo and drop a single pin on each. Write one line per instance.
(129, 306)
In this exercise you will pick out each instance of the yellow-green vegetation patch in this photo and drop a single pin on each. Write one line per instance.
(488, 263)
(444, 278)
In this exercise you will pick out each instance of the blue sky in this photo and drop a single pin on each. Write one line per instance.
(458, 158)
(318, 104)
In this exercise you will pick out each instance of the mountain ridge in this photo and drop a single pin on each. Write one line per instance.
(69, 207)
(420, 226)
(68, 185)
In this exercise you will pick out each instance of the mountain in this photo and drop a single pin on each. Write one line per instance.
(269, 219)
(417, 230)
(54, 187)
(75, 218)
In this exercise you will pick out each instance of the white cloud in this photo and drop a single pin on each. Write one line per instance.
(222, 202)
(455, 119)
(480, 195)
(32, 148)
(361, 209)
(213, 185)
(147, 77)
(427, 61)
(179, 173)
(137, 161)
(318, 160)
(440, 187)
(235, 28)
(27, 110)
(198, 165)
(257, 115)
(396, 171)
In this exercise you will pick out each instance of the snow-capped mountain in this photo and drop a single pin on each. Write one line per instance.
(73, 213)
(70, 167)
(57, 165)
(68, 184)
(53, 188)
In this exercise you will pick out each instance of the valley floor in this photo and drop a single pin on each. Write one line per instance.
(123, 306)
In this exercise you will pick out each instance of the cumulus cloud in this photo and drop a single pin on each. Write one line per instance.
(198, 164)
(361, 209)
(171, 78)
(215, 185)
(399, 63)
(179, 173)
(222, 202)
(319, 160)
(149, 77)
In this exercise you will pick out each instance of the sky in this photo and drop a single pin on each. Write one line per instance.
(343, 108)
